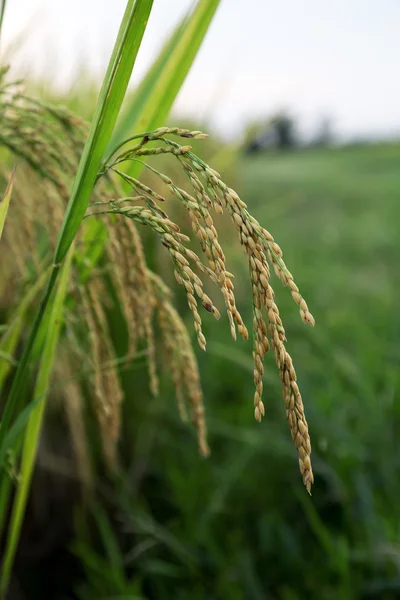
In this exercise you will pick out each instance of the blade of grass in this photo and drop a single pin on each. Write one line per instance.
(173, 75)
(110, 99)
(5, 202)
(157, 92)
(34, 424)
(134, 105)
(17, 429)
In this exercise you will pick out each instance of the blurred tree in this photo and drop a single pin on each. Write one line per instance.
(285, 130)
(279, 131)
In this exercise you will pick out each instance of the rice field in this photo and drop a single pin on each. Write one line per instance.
(144, 453)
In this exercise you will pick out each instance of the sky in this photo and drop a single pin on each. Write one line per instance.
(315, 59)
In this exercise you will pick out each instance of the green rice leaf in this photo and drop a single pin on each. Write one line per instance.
(135, 104)
(155, 96)
(108, 106)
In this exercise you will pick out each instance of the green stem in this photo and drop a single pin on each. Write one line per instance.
(118, 146)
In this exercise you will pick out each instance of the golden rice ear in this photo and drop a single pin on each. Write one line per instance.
(260, 246)
(296, 419)
(210, 192)
(50, 142)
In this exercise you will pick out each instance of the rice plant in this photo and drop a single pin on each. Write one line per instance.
(136, 286)
(87, 246)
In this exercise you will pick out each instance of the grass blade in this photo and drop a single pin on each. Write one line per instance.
(5, 202)
(173, 75)
(158, 90)
(135, 105)
(34, 424)
(108, 106)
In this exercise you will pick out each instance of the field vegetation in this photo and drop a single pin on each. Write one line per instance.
(131, 462)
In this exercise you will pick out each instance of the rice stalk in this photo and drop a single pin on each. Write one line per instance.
(138, 294)
(211, 193)
(143, 296)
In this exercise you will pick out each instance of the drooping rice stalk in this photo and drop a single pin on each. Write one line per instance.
(211, 193)
(140, 296)
(134, 284)
(138, 292)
